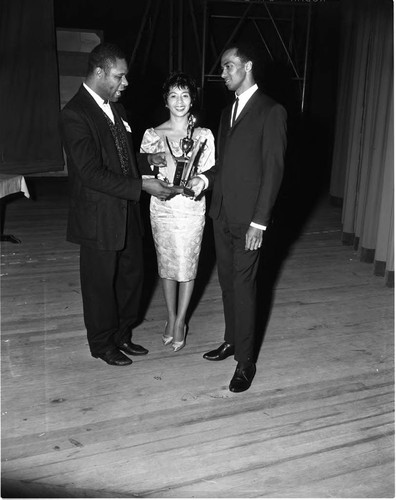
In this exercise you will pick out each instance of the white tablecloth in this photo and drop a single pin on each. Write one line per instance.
(10, 184)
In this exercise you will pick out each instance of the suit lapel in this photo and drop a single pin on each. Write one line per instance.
(97, 115)
(247, 108)
(128, 137)
(106, 137)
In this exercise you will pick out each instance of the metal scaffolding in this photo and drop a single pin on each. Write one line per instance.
(283, 28)
(204, 27)
(176, 13)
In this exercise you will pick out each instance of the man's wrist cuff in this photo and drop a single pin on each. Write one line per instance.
(258, 226)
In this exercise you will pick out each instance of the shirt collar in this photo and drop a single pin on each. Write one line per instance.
(245, 96)
(96, 96)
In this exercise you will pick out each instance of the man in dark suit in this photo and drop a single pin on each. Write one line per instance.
(104, 212)
(246, 179)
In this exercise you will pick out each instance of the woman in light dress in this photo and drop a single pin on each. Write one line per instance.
(178, 223)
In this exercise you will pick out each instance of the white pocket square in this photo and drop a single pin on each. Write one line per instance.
(126, 125)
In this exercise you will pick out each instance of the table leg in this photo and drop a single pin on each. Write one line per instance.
(5, 237)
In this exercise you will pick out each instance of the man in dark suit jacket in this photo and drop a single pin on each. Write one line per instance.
(104, 213)
(246, 179)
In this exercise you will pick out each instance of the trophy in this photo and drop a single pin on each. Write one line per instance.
(184, 163)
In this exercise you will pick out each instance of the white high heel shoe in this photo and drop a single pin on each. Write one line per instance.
(165, 339)
(180, 344)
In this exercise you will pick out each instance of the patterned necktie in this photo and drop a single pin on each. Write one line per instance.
(121, 145)
(234, 114)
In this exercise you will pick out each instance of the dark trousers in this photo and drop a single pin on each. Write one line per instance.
(237, 270)
(111, 287)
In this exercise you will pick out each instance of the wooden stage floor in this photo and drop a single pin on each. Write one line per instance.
(317, 421)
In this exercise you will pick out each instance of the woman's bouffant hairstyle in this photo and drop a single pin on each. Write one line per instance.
(181, 81)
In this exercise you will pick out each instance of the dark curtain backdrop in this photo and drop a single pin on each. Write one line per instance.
(29, 96)
(362, 170)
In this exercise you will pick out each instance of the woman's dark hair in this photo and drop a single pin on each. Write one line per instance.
(104, 56)
(181, 81)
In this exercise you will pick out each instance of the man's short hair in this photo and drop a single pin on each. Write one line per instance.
(104, 56)
(247, 51)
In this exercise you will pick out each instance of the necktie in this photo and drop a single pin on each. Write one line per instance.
(235, 111)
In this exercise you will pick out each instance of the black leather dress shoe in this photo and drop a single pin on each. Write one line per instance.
(114, 357)
(220, 353)
(243, 377)
(133, 349)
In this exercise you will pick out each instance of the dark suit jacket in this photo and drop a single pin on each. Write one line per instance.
(99, 192)
(249, 167)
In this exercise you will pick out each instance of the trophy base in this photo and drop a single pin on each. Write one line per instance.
(188, 192)
(183, 190)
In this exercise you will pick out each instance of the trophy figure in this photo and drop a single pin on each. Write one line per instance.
(187, 166)
(187, 142)
(182, 162)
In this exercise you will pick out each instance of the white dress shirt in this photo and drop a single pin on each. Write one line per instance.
(101, 103)
(243, 99)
